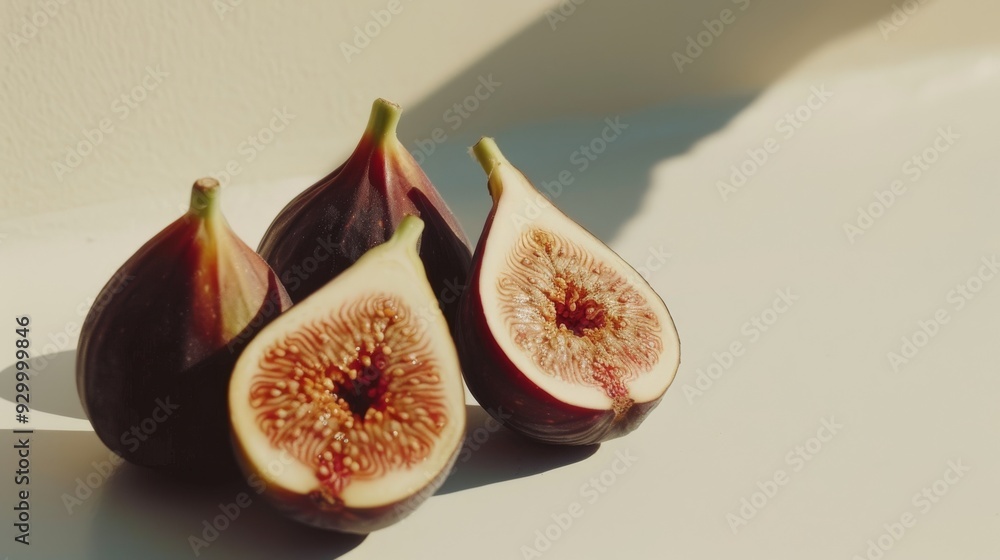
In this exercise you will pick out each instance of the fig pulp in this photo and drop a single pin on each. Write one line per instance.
(358, 206)
(156, 353)
(350, 406)
(555, 328)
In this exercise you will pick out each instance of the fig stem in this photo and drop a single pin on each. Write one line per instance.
(383, 120)
(204, 197)
(408, 234)
(490, 157)
(488, 154)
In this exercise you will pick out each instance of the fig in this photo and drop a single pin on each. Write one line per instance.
(155, 356)
(555, 328)
(350, 407)
(359, 205)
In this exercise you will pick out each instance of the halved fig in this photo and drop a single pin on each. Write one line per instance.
(157, 349)
(350, 406)
(555, 328)
(359, 205)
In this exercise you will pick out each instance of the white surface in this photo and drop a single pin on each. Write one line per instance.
(824, 360)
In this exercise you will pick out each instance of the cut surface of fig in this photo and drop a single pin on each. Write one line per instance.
(358, 206)
(156, 352)
(580, 324)
(557, 327)
(356, 393)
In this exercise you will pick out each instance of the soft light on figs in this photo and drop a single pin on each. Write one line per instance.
(331, 224)
(350, 406)
(555, 327)
(157, 349)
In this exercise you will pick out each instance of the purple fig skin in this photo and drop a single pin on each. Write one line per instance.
(325, 229)
(497, 384)
(156, 352)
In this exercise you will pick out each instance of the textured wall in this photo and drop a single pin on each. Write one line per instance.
(200, 76)
(106, 99)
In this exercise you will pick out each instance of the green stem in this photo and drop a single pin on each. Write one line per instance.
(488, 154)
(383, 120)
(205, 197)
(408, 233)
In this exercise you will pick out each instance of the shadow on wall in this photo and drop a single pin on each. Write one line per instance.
(602, 59)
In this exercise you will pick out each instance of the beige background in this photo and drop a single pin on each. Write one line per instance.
(228, 68)
(653, 195)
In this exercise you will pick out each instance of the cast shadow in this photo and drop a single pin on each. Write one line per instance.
(601, 194)
(142, 514)
(491, 453)
(85, 503)
(605, 59)
(52, 382)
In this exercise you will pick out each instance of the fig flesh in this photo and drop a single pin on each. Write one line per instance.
(555, 327)
(358, 206)
(350, 406)
(154, 358)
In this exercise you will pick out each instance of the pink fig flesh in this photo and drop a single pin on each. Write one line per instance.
(350, 406)
(555, 327)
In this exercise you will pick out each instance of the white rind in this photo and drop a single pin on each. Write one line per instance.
(378, 271)
(520, 207)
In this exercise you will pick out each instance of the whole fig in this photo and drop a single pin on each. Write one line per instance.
(156, 354)
(325, 229)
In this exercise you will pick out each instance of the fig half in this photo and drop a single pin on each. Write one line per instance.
(155, 354)
(359, 205)
(555, 328)
(350, 406)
